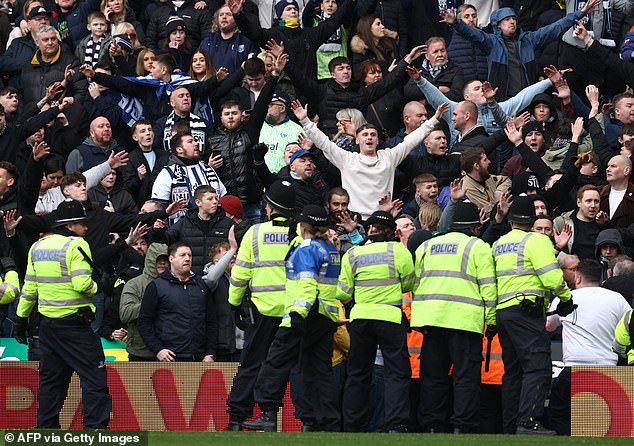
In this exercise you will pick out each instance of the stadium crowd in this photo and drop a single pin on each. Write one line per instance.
(433, 182)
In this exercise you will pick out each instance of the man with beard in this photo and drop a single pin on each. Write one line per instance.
(278, 130)
(347, 223)
(479, 185)
(229, 47)
(301, 173)
(586, 223)
(181, 103)
(184, 174)
(235, 147)
(95, 149)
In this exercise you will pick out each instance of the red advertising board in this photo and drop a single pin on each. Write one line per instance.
(145, 396)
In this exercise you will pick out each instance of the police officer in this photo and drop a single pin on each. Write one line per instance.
(58, 278)
(305, 334)
(260, 267)
(377, 274)
(454, 296)
(527, 276)
(623, 344)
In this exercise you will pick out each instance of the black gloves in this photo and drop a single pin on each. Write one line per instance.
(490, 332)
(8, 264)
(565, 308)
(239, 317)
(259, 150)
(297, 323)
(20, 328)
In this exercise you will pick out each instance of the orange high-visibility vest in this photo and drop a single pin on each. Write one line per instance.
(414, 338)
(496, 366)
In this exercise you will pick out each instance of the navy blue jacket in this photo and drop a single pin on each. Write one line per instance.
(178, 316)
(469, 56)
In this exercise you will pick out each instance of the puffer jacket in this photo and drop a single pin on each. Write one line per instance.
(237, 173)
(19, 53)
(36, 76)
(527, 42)
(330, 97)
(132, 296)
(469, 56)
(199, 234)
(121, 200)
(198, 22)
(178, 316)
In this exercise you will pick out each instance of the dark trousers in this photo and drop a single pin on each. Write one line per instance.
(559, 406)
(527, 366)
(135, 358)
(490, 409)
(312, 353)
(443, 347)
(69, 345)
(240, 400)
(365, 336)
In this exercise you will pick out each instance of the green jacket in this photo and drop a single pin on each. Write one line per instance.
(623, 338)
(131, 298)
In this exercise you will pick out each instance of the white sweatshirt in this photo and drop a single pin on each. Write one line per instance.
(367, 178)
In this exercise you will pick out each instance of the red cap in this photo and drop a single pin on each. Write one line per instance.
(232, 205)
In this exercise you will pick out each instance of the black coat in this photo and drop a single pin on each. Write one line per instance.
(330, 97)
(236, 146)
(37, 76)
(199, 234)
(301, 44)
(141, 190)
(445, 168)
(478, 137)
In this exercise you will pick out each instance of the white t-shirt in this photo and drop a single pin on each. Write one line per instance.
(616, 196)
(588, 332)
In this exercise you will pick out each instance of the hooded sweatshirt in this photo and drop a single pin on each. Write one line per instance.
(131, 300)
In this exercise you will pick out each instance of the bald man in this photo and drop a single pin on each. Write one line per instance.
(617, 198)
(95, 149)
(471, 134)
(414, 114)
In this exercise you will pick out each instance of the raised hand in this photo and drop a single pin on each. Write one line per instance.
(40, 150)
(577, 129)
(10, 221)
(305, 142)
(484, 216)
(413, 73)
(554, 74)
(68, 74)
(488, 91)
(581, 33)
(441, 110)
(415, 53)
(141, 171)
(563, 90)
(590, 6)
(455, 189)
(503, 206)
(602, 218)
(514, 135)
(116, 160)
(300, 111)
(280, 63)
(347, 221)
(222, 73)
(200, 5)
(136, 232)
(562, 239)
(233, 243)
(87, 70)
(448, 16)
(177, 206)
(235, 6)
(521, 120)
(277, 49)
(66, 102)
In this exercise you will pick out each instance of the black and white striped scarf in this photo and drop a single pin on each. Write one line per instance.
(196, 124)
(92, 51)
